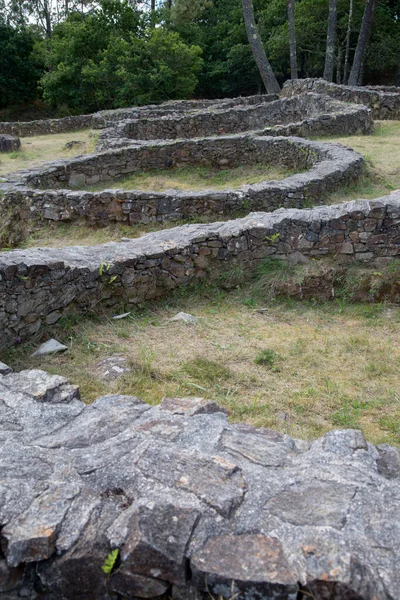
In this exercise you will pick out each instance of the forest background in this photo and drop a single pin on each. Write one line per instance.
(68, 57)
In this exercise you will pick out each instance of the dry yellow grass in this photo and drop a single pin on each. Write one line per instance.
(334, 365)
(382, 153)
(43, 148)
(196, 178)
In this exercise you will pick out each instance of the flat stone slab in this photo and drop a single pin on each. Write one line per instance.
(112, 367)
(50, 347)
(194, 506)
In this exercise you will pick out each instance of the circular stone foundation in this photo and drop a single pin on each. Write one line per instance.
(329, 166)
(306, 114)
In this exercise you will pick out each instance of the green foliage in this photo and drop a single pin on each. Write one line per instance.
(19, 68)
(111, 59)
(271, 239)
(110, 562)
(115, 53)
(266, 357)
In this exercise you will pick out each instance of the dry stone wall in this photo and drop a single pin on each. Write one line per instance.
(384, 104)
(194, 506)
(103, 118)
(305, 115)
(38, 286)
(330, 167)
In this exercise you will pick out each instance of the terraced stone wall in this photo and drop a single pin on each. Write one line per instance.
(47, 126)
(384, 104)
(308, 114)
(175, 108)
(103, 118)
(38, 286)
(330, 167)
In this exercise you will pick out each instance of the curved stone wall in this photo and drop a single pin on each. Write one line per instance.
(308, 114)
(176, 107)
(384, 104)
(192, 506)
(103, 118)
(38, 286)
(331, 166)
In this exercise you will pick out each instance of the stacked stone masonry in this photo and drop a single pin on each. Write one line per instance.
(385, 104)
(195, 507)
(103, 118)
(331, 166)
(310, 114)
(38, 286)
(303, 115)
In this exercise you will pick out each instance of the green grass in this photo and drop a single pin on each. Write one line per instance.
(195, 178)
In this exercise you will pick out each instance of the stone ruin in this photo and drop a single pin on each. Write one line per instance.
(384, 102)
(38, 286)
(330, 167)
(198, 508)
(182, 504)
(305, 115)
(9, 143)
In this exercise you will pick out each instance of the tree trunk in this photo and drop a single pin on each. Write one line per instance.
(330, 41)
(347, 51)
(356, 72)
(397, 78)
(47, 18)
(339, 65)
(265, 69)
(292, 40)
(66, 8)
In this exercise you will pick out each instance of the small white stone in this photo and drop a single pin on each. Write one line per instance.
(123, 316)
(50, 347)
(5, 369)
(185, 318)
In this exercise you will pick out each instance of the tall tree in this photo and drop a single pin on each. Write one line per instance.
(357, 69)
(347, 51)
(267, 75)
(330, 41)
(292, 39)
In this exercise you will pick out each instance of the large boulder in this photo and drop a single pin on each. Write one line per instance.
(120, 499)
(9, 143)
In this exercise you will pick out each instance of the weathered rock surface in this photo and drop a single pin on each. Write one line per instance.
(183, 317)
(112, 367)
(5, 369)
(194, 504)
(9, 143)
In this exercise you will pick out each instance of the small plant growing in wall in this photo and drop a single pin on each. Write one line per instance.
(103, 272)
(272, 239)
(110, 562)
